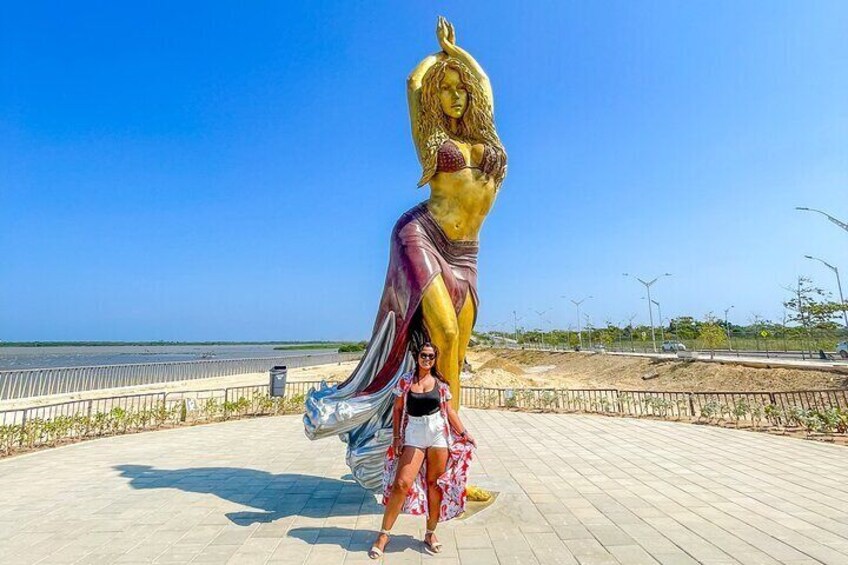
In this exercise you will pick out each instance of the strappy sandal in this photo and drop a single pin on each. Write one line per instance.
(433, 547)
(375, 552)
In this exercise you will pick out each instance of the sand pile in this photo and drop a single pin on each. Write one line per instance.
(581, 370)
(498, 372)
(496, 364)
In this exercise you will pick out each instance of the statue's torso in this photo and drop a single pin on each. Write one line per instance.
(461, 199)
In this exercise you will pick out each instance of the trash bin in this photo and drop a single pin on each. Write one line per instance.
(278, 380)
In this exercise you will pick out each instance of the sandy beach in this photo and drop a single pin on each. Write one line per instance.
(328, 372)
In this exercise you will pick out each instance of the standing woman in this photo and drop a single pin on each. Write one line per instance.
(427, 463)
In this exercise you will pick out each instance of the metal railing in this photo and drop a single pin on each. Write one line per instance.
(815, 410)
(782, 407)
(27, 383)
(28, 428)
(146, 401)
(634, 403)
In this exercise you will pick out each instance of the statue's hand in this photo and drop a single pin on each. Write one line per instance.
(446, 35)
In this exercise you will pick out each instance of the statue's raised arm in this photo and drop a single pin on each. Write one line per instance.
(447, 40)
(450, 101)
(413, 94)
(478, 87)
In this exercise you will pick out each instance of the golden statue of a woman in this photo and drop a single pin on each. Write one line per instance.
(430, 293)
(451, 109)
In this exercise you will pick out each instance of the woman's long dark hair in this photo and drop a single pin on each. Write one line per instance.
(433, 370)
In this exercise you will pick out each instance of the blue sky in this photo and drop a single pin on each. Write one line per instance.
(211, 171)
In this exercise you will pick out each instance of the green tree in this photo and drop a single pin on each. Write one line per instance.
(811, 306)
(712, 335)
(609, 334)
(685, 327)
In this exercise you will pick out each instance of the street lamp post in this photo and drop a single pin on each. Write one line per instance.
(541, 313)
(838, 284)
(577, 303)
(648, 285)
(839, 223)
(727, 328)
(515, 325)
(659, 313)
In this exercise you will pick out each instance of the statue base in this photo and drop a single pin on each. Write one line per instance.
(477, 494)
(478, 500)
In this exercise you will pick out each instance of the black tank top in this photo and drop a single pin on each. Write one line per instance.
(423, 403)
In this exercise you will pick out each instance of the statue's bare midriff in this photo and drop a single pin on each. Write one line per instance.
(460, 201)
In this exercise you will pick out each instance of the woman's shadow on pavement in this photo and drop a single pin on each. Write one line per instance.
(274, 496)
(278, 496)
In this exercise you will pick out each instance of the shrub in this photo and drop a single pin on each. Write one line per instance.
(773, 414)
(795, 416)
(811, 420)
(831, 419)
(353, 347)
(740, 409)
(710, 411)
(548, 400)
(757, 411)
(527, 398)
(10, 436)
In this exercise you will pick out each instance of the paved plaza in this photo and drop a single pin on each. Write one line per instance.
(573, 489)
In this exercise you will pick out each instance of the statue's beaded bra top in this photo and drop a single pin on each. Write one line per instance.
(450, 159)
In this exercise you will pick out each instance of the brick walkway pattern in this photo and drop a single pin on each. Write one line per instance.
(574, 489)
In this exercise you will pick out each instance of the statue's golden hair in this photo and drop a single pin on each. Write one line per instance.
(477, 124)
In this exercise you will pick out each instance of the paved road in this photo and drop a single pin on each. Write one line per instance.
(574, 489)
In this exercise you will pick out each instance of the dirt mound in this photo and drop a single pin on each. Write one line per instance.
(501, 364)
(497, 379)
(491, 370)
(588, 371)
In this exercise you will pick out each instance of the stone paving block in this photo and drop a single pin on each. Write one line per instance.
(573, 532)
(478, 556)
(179, 554)
(288, 552)
(589, 551)
(98, 558)
(632, 555)
(549, 549)
(506, 557)
(473, 538)
(610, 535)
(248, 558)
(231, 535)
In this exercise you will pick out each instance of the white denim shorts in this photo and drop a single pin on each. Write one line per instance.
(426, 431)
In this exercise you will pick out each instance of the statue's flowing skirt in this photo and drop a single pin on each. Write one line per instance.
(359, 409)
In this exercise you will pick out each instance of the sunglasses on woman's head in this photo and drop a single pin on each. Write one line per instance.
(426, 355)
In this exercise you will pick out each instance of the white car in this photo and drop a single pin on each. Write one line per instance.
(842, 349)
(670, 345)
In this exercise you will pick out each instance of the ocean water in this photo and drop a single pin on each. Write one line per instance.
(77, 356)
